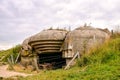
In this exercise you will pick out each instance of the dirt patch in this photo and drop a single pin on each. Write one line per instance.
(6, 73)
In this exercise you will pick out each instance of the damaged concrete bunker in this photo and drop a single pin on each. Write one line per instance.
(54, 48)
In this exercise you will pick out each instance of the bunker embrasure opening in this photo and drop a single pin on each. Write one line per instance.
(51, 60)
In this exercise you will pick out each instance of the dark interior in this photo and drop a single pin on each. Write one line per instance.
(51, 60)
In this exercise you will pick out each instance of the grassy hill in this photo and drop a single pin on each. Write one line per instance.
(4, 54)
(102, 63)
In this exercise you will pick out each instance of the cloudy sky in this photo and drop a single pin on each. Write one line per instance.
(22, 18)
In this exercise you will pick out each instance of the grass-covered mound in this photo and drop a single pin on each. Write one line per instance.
(104, 54)
(5, 54)
(102, 63)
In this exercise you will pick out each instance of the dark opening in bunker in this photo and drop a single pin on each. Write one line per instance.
(51, 60)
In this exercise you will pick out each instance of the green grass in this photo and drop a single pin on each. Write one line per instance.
(102, 63)
(106, 53)
(6, 53)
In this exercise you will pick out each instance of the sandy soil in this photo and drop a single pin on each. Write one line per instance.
(6, 73)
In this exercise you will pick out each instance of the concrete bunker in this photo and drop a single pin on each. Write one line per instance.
(46, 46)
(54, 48)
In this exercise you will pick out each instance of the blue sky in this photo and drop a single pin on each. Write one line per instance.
(20, 19)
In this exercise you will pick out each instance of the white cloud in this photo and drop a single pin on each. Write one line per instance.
(6, 46)
(6, 11)
(23, 5)
(22, 18)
